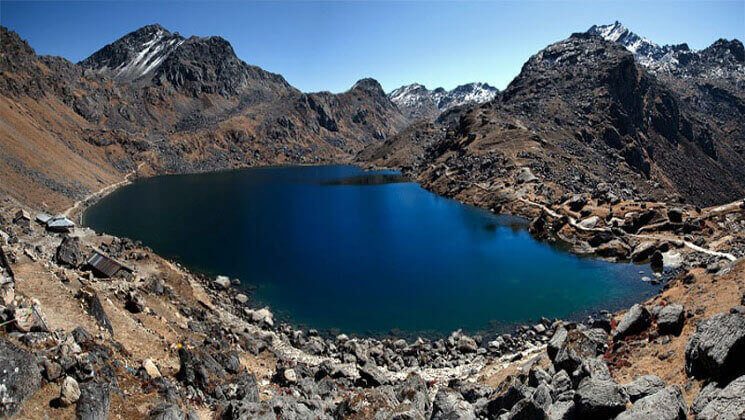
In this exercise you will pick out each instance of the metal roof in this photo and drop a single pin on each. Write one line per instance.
(43, 217)
(105, 265)
(60, 222)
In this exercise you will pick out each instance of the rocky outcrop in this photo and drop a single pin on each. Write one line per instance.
(19, 377)
(636, 320)
(69, 252)
(597, 398)
(717, 348)
(727, 403)
(665, 404)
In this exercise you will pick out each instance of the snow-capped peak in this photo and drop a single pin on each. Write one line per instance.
(645, 50)
(722, 60)
(416, 101)
(136, 54)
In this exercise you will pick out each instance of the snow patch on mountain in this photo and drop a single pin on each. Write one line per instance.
(416, 101)
(135, 55)
(722, 60)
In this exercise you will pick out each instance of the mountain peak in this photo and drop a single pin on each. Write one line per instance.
(369, 84)
(723, 59)
(134, 55)
(416, 101)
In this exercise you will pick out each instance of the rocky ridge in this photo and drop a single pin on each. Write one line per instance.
(171, 103)
(583, 112)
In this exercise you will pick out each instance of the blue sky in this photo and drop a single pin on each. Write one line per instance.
(330, 45)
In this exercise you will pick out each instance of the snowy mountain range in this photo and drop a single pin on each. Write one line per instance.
(416, 101)
(724, 59)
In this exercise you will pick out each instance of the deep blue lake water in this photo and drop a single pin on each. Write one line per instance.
(335, 247)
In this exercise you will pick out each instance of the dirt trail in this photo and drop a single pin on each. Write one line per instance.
(725, 208)
(103, 191)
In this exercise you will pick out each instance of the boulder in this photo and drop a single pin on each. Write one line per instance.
(613, 249)
(371, 376)
(597, 398)
(570, 352)
(30, 318)
(241, 298)
(665, 404)
(525, 175)
(527, 409)
(69, 252)
(467, 344)
(643, 386)
(198, 368)
(675, 215)
(577, 202)
(95, 308)
(239, 410)
(590, 222)
(561, 382)
(717, 348)
(670, 319)
(134, 303)
(150, 368)
(264, 316)
(222, 282)
(450, 405)
(166, 411)
(643, 251)
(727, 404)
(413, 392)
(94, 402)
(507, 394)
(69, 392)
(562, 410)
(636, 320)
(19, 377)
(7, 292)
(704, 397)
(600, 238)
(542, 396)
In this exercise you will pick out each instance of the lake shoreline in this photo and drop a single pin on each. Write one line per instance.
(487, 328)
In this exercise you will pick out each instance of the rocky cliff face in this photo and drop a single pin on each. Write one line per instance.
(418, 102)
(584, 112)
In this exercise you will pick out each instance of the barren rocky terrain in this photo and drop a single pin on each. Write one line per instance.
(600, 152)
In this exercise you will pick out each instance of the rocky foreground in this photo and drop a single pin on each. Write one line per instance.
(162, 342)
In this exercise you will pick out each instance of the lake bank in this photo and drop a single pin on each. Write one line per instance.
(314, 239)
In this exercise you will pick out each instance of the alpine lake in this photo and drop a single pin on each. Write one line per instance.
(337, 248)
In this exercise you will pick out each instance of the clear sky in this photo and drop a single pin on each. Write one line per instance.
(330, 45)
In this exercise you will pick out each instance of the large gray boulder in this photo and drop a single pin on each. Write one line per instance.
(19, 377)
(94, 402)
(527, 409)
(643, 386)
(670, 319)
(597, 398)
(562, 410)
(636, 320)
(727, 404)
(450, 405)
(166, 411)
(507, 394)
(569, 348)
(413, 392)
(704, 397)
(69, 252)
(717, 348)
(665, 404)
